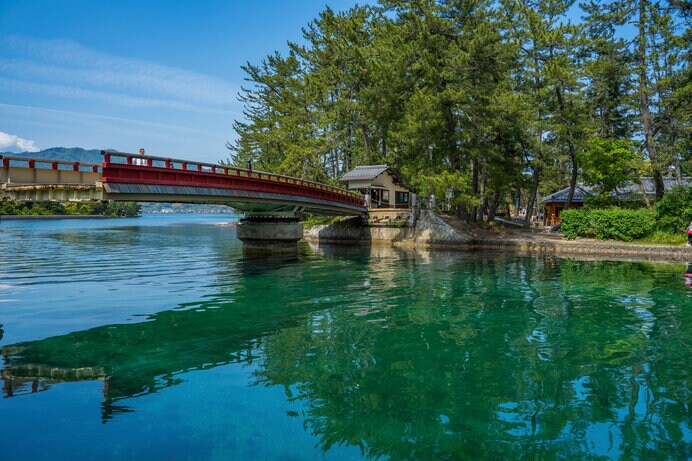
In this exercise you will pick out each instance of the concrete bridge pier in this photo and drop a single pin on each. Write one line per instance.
(270, 235)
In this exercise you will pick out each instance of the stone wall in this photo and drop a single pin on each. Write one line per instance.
(589, 247)
(429, 231)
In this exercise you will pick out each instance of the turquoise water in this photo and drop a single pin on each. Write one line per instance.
(156, 339)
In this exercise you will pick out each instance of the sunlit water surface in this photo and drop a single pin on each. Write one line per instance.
(157, 339)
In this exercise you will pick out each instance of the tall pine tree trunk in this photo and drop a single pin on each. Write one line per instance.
(642, 189)
(573, 179)
(492, 209)
(484, 199)
(570, 147)
(534, 193)
(474, 188)
(647, 120)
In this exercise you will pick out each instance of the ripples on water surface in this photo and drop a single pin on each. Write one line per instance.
(155, 338)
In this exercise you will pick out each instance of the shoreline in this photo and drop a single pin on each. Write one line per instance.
(583, 248)
(58, 216)
(434, 232)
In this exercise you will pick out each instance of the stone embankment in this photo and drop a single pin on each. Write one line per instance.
(431, 231)
(428, 231)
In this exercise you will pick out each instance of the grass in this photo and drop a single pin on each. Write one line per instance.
(662, 238)
(317, 220)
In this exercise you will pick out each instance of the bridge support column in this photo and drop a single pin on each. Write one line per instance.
(270, 235)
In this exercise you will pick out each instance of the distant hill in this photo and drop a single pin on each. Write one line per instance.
(71, 154)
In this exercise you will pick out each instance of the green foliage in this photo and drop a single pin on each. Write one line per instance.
(663, 238)
(609, 163)
(510, 98)
(674, 210)
(666, 224)
(13, 208)
(30, 208)
(119, 209)
(313, 220)
(599, 201)
(575, 223)
(441, 183)
(610, 223)
(122, 209)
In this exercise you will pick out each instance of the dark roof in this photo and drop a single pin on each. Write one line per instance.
(582, 192)
(365, 172)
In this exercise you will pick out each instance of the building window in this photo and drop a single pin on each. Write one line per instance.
(402, 198)
(385, 196)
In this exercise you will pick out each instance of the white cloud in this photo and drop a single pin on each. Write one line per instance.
(15, 86)
(72, 64)
(10, 142)
(91, 119)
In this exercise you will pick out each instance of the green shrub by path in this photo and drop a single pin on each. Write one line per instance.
(608, 223)
(674, 211)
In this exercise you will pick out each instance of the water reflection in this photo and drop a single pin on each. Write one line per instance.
(142, 358)
(420, 355)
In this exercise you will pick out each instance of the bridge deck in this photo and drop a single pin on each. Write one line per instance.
(131, 177)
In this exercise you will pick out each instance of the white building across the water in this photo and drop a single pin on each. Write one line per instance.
(380, 185)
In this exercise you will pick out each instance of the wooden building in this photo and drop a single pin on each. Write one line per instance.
(553, 204)
(381, 185)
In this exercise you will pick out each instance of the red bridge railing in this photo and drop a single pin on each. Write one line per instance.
(42, 163)
(120, 167)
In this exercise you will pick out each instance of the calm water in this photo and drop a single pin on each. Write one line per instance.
(156, 339)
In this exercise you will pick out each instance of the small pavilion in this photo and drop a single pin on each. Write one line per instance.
(381, 186)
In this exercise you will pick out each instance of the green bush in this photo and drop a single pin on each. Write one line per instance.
(674, 210)
(12, 208)
(575, 223)
(609, 223)
(126, 209)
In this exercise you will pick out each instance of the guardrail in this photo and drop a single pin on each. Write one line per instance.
(28, 162)
(154, 163)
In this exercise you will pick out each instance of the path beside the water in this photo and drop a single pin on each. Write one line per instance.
(443, 232)
(531, 240)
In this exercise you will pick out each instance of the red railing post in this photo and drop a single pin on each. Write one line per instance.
(54, 165)
(168, 163)
(32, 163)
(75, 167)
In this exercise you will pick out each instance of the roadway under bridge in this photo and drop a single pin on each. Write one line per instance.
(271, 203)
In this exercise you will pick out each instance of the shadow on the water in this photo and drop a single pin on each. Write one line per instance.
(474, 357)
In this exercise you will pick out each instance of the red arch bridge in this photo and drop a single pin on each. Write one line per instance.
(271, 203)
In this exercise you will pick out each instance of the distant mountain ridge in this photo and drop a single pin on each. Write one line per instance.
(71, 154)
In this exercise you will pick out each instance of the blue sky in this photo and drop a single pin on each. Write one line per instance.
(125, 74)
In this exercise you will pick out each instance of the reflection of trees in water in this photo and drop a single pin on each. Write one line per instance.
(466, 357)
(493, 360)
(143, 358)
